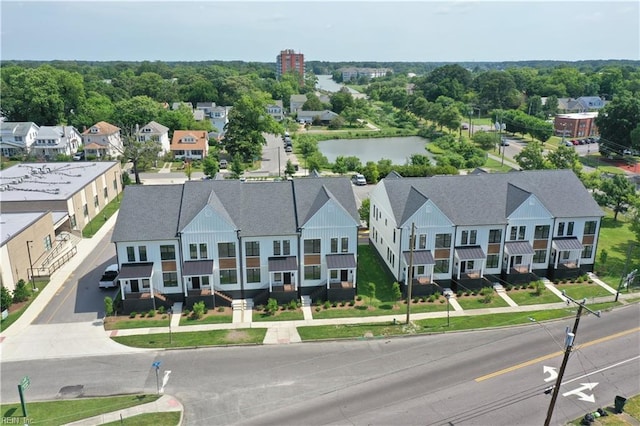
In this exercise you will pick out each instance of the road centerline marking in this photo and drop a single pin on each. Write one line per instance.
(552, 355)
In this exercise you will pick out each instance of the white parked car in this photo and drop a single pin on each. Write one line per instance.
(358, 179)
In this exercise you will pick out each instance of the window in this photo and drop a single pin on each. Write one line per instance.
(495, 236)
(517, 233)
(281, 248)
(311, 246)
(203, 251)
(47, 243)
(131, 254)
(333, 274)
(253, 275)
(170, 279)
(570, 228)
(96, 203)
(205, 280)
(252, 248)
(443, 241)
(540, 256)
(167, 252)
(312, 272)
(226, 250)
(422, 241)
(105, 191)
(142, 253)
(228, 276)
(441, 266)
(590, 227)
(145, 283)
(277, 248)
(193, 251)
(541, 232)
(587, 252)
(468, 237)
(85, 210)
(115, 184)
(286, 247)
(492, 261)
(72, 221)
(560, 229)
(345, 244)
(334, 245)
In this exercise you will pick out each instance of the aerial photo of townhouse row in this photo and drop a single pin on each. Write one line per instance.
(188, 205)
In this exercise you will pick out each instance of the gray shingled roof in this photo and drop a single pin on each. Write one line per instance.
(488, 198)
(312, 193)
(148, 213)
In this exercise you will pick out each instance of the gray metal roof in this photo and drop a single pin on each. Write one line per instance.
(341, 261)
(197, 267)
(570, 243)
(420, 257)
(148, 213)
(470, 253)
(489, 198)
(130, 271)
(283, 264)
(518, 248)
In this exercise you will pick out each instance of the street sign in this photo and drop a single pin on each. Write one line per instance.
(156, 364)
(25, 383)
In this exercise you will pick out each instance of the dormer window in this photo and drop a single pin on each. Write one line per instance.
(94, 130)
(146, 130)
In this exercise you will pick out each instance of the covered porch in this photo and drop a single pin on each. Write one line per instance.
(565, 254)
(422, 273)
(517, 262)
(283, 282)
(341, 273)
(469, 264)
(138, 294)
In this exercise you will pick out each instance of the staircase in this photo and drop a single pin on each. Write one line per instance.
(223, 296)
(242, 310)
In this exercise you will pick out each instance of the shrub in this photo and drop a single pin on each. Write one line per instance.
(260, 307)
(334, 305)
(466, 293)
(5, 298)
(327, 304)
(161, 310)
(318, 308)
(431, 299)
(343, 303)
(293, 305)
(487, 298)
(186, 312)
(198, 310)
(358, 298)
(539, 286)
(459, 293)
(108, 306)
(133, 314)
(21, 292)
(352, 303)
(220, 308)
(395, 291)
(442, 300)
(508, 288)
(151, 313)
(437, 295)
(319, 302)
(272, 306)
(579, 280)
(372, 290)
(416, 299)
(486, 290)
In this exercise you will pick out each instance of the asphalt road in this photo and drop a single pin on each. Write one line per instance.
(79, 298)
(456, 378)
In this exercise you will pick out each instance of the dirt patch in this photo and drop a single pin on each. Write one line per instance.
(236, 336)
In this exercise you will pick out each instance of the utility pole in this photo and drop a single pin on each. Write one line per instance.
(33, 282)
(626, 278)
(569, 346)
(410, 271)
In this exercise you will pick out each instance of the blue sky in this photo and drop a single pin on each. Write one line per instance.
(419, 30)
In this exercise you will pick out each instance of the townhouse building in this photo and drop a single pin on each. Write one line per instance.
(474, 230)
(217, 241)
(52, 141)
(16, 138)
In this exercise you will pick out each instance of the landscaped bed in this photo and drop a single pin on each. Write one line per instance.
(137, 320)
(219, 315)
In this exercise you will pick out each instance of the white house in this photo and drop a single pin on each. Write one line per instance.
(155, 132)
(56, 140)
(102, 140)
(16, 138)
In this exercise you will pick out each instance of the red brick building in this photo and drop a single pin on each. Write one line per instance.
(288, 61)
(576, 125)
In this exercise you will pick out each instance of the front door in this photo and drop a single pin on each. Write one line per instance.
(344, 275)
(195, 283)
(286, 277)
(135, 286)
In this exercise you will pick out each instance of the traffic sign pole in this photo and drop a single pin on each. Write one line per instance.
(22, 401)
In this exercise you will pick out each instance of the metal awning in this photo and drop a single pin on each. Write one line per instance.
(518, 248)
(470, 253)
(341, 261)
(420, 257)
(282, 264)
(134, 271)
(566, 244)
(198, 267)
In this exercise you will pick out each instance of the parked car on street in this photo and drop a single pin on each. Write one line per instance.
(223, 164)
(78, 156)
(358, 179)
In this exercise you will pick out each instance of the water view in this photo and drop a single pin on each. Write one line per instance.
(398, 150)
(326, 83)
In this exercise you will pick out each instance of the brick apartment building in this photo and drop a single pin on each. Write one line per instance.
(288, 61)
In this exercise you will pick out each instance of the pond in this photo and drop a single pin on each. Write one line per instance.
(325, 82)
(398, 150)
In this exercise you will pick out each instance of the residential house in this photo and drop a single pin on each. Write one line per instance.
(217, 115)
(276, 110)
(153, 131)
(102, 140)
(190, 144)
(219, 240)
(296, 102)
(576, 125)
(471, 231)
(52, 141)
(349, 74)
(16, 138)
(581, 104)
(323, 117)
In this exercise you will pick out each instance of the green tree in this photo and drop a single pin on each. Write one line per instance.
(453, 81)
(484, 139)
(350, 114)
(198, 310)
(33, 94)
(370, 172)
(188, 169)
(395, 291)
(5, 298)
(336, 123)
(237, 168)
(210, 164)
(565, 158)
(617, 193)
(496, 89)
(96, 107)
(618, 119)
(341, 100)
(108, 306)
(531, 158)
(21, 292)
(272, 306)
(313, 103)
(138, 110)
(142, 154)
(289, 169)
(635, 220)
(364, 210)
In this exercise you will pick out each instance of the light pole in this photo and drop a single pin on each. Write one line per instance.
(447, 296)
(33, 283)
(410, 271)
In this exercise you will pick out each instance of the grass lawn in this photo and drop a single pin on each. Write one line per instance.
(632, 408)
(529, 297)
(96, 223)
(150, 419)
(195, 338)
(124, 322)
(17, 309)
(595, 160)
(496, 166)
(371, 270)
(60, 412)
(583, 290)
(475, 302)
(296, 315)
(615, 238)
(208, 318)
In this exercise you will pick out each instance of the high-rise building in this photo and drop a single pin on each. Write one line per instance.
(288, 61)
